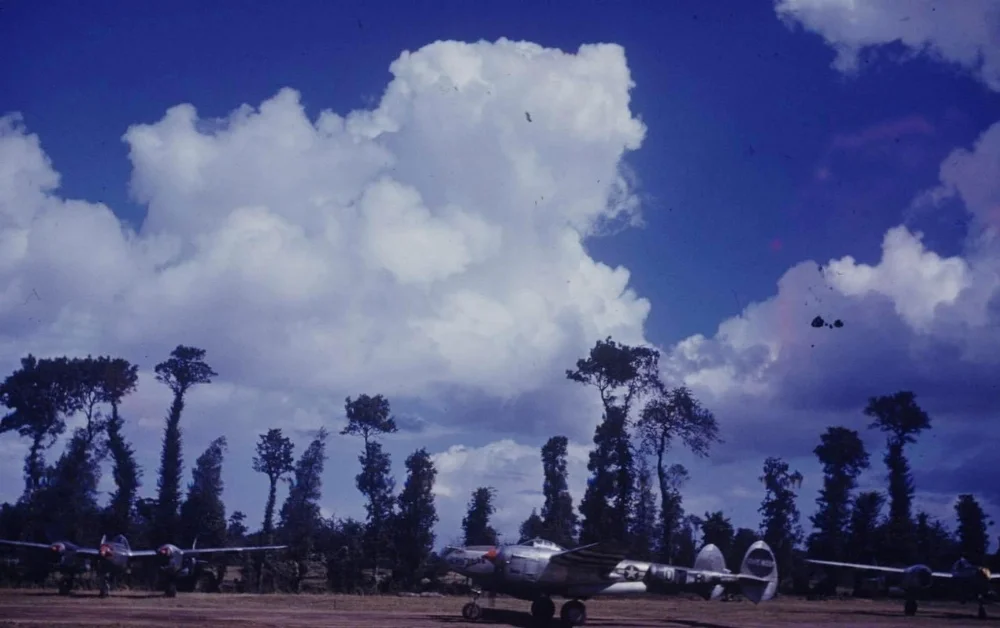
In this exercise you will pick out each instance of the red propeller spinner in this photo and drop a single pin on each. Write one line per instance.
(105, 551)
(491, 554)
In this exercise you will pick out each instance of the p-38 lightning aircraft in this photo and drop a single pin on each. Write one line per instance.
(968, 581)
(537, 570)
(111, 559)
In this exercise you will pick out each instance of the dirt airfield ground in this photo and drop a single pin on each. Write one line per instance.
(36, 608)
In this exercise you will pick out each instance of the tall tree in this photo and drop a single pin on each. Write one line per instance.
(414, 525)
(532, 527)
(686, 540)
(371, 417)
(864, 529)
(89, 390)
(203, 513)
(899, 416)
(621, 374)
(973, 538)
(717, 529)
(118, 379)
(476, 523)
(38, 395)
(236, 530)
(300, 515)
(843, 456)
(644, 525)
(68, 500)
(672, 516)
(669, 416)
(780, 523)
(559, 520)
(935, 545)
(184, 369)
(274, 459)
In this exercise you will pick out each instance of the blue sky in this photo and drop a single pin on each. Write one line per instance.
(758, 155)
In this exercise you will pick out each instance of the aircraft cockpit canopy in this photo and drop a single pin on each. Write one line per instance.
(121, 540)
(543, 544)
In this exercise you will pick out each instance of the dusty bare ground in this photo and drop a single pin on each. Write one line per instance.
(36, 608)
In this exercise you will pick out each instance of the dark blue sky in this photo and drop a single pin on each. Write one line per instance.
(741, 114)
(758, 155)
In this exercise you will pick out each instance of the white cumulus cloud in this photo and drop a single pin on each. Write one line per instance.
(965, 33)
(430, 249)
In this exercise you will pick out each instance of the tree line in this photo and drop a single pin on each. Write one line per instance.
(630, 467)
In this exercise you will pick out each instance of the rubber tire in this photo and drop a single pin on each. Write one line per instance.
(170, 590)
(982, 612)
(910, 608)
(472, 611)
(574, 613)
(543, 609)
(65, 586)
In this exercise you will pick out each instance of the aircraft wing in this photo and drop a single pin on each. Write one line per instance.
(26, 544)
(833, 563)
(601, 557)
(219, 550)
(86, 551)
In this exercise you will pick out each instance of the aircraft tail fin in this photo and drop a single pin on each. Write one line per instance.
(758, 575)
(710, 559)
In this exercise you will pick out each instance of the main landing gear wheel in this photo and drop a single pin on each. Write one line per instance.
(574, 613)
(543, 609)
(982, 612)
(471, 611)
(910, 608)
(105, 586)
(170, 590)
(65, 586)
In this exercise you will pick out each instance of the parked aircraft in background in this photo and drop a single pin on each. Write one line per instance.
(538, 570)
(967, 581)
(111, 559)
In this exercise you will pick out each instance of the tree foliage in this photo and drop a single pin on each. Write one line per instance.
(476, 523)
(203, 513)
(274, 459)
(558, 517)
(973, 528)
(184, 369)
(673, 415)
(899, 416)
(780, 516)
(843, 456)
(864, 529)
(645, 530)
(119, 380)
(532, 527)
(717, 529)
(414, 530)
(38, 395)
(621, 374)
(300, 514)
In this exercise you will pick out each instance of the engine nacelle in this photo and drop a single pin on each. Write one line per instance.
(519, 566)
(916, 577)
(171, 558)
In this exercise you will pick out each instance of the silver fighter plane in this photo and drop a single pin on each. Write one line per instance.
(538, 570)
(111, 559)
(968, 581)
